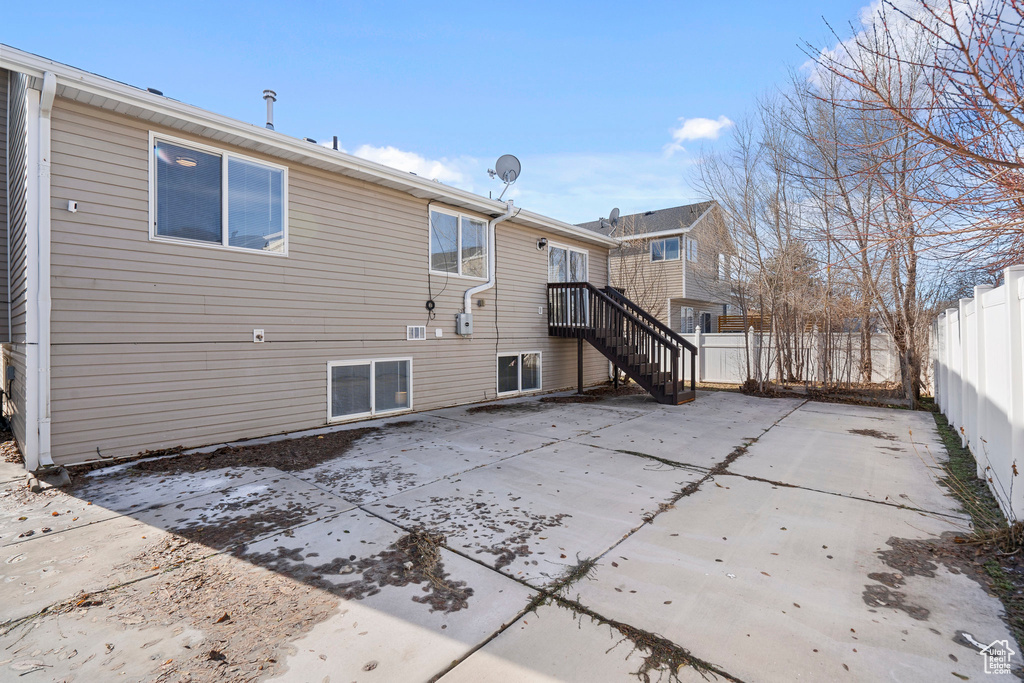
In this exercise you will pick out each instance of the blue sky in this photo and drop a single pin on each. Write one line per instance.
(587, 95)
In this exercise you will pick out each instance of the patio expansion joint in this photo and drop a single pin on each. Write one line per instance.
(673, 652)
(899, 506)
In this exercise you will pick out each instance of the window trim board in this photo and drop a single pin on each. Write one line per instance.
(331, 419)
(520, 391)
(224, 154)
(458, 242)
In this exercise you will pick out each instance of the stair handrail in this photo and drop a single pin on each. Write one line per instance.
(616, 293)
(667, 341)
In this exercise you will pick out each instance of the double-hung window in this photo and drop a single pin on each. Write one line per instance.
(202, 195)
(665, 249)
(368, 387)
(518, 372)
(458, 244)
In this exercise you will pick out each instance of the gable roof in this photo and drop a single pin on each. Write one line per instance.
(92, 89)
(675, 220)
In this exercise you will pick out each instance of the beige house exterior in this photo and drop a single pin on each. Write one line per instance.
(120, 340)
(678, 263)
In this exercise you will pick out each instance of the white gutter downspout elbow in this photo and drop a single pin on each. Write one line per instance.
(491, 247)
(42, 302)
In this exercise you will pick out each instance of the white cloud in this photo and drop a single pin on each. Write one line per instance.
(695, 129)
(445, 170)
(570, 187)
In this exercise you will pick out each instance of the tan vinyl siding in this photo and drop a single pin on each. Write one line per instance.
(17, 179)
(152, 341)
(5, 330)
(13, 278)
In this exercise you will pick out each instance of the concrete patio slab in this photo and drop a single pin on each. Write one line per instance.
(12, 472)
(365, 477)
(24, 516)
(848, 464)
(773, 584)
(554, 644)
(129, 490)
(245, 513)
(701, 439)
(534, 515)
(392, 623)
(49, 569)
(553, 421)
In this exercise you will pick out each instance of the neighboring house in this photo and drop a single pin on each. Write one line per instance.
(179, 278)
(678, 263)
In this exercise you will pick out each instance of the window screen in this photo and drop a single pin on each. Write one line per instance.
(444, 242)
(508, 373)
(255, 197)
(531, 371)
(188, 193)
(350, 390)
(391, 385)
(474, 248)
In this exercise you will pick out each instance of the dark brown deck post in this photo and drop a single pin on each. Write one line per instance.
(579, 364)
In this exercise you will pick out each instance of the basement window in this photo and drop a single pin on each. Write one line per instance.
(665, 249)
(458, 245)
(519, 372)
(365, 388)
(201, 195)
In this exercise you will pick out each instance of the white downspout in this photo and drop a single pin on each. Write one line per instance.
(491, 248)
(37, 348)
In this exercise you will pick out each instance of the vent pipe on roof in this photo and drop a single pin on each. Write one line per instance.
(270, 96)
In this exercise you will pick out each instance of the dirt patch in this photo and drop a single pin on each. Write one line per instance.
(245, 614)
(599, 394)
(493, 526)
(413, 559)
(289, 454)
(874, 433)
(575, 398)
(9, 448)
(876, 595)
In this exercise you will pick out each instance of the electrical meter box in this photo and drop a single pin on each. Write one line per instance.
(464, 323)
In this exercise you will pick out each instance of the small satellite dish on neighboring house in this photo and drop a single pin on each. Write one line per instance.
(612, 221)
(508, 169)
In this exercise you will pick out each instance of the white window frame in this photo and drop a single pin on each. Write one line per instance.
(692, 249)
(679, 250)
(155, 137)
(409, 332)
(568, 266)
(373, 389)
(458, 243)
(519, 379)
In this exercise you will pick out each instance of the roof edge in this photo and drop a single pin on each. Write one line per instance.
(14, 59)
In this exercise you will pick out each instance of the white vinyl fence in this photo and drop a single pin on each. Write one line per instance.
(978, 356)
(723, 357)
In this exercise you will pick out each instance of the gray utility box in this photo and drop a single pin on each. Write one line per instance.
(464, 323)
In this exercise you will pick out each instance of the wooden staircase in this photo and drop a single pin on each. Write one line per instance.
(637, 343)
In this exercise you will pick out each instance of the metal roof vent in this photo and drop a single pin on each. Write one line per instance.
(270, 96)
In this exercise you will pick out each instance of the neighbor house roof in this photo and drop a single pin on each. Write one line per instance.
(91, 89)
(676, 220)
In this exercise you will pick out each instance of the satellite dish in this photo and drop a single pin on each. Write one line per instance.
(611, 221)
(507, 168)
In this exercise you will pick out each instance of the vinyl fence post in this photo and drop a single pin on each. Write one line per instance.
(1012, 280)
(697, 341)
(981, 399)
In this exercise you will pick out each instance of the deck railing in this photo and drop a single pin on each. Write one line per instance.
(634, 341)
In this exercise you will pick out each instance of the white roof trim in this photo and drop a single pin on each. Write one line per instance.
(98, 91)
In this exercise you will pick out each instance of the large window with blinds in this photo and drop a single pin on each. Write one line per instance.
(201, 195)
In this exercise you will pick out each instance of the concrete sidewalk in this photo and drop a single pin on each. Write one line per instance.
(535, 541)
